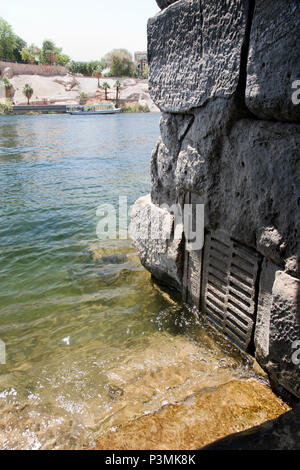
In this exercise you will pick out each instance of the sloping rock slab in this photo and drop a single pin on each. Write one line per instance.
(198, 420)
(282, 433)
(194, 52)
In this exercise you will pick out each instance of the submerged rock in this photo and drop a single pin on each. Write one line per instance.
(198, 420)
(282, 433)
(114, 259)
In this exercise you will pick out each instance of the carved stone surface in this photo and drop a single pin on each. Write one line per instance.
(274, 60)
(194, 52)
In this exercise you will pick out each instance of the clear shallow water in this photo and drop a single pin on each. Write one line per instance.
(90, 343)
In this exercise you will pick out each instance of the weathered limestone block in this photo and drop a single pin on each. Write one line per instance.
(198, 161)
(238, 173)
(284, 345)
(278, 327)
(258, 189)
(190, 147)
(194, 52)
(274, 60)
(173, 128)
(157, 242)
(165, 3)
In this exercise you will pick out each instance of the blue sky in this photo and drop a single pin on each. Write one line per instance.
(85, 29)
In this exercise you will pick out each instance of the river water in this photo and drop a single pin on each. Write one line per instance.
(91, 341)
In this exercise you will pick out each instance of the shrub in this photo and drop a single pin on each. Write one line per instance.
(83, 97)
(85, 68)
(7, 107)
(6, 83)
(134, 107)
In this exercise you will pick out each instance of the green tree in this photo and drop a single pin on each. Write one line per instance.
(146, 71)
(31, 54)
(28, 92)
(117, 86)
(49, 53)
(26, 56)
(120, 63)
(62, 59)
(20, 44)
(98, 74)
(106, 87)
(8, 42)
(85, 68)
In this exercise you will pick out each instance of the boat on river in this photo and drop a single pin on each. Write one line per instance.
(93, 109)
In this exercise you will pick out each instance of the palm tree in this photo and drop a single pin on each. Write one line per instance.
(98, 74)
(105, 87)
(28, 92)
(117, 86)
(8, 87)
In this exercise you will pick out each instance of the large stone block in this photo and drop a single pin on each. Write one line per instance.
(284, 345)
(254, 191)
(277, 335)
(160, 249)
(274, 60)
(194, 52)
(247, 174)
(173, 128)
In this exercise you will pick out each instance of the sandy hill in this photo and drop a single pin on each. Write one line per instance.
(67, 89)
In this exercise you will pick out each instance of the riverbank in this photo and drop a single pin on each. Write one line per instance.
(126, 107)
(69, 89)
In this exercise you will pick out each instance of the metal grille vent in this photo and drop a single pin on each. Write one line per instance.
(229, 286)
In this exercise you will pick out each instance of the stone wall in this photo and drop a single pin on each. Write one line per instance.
(223, 74)
(13, 68)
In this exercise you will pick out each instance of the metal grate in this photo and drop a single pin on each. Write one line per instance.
(229, 282)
